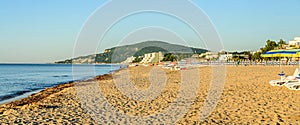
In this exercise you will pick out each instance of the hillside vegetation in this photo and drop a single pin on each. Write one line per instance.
(121, 53)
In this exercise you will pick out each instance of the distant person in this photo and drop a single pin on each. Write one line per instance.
(236, 62)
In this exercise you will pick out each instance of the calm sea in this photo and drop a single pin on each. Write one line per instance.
(20, 80)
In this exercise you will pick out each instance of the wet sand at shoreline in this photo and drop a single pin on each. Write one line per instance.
(247, 98)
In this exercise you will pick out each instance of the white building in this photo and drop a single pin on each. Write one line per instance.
(225, 57)
(152, 57)
(129, 60)
(195, 56)
(295, 42)
(211, 55)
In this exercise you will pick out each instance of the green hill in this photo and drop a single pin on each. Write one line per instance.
(121, 53)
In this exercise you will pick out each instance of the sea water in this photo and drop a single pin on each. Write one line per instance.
(19, 80)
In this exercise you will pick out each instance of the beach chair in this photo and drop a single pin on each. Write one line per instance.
(285, 79)
(293, 85)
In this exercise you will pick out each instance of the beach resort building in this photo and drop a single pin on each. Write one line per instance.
(152, 57)
(225, 57)
(195, 56)
(211, 55)
(295, 42)
(129, 60)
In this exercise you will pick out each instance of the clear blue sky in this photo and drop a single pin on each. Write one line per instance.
(42, 31)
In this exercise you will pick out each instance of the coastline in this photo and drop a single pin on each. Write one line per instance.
(25, 95)
(18, 95)
(35, 97)
(247, 98)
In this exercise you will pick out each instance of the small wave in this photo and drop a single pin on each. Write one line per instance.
(62, 76)
(34, 89)
(65, 76)
(14, 94)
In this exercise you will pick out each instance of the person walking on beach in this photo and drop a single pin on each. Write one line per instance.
(237, 62)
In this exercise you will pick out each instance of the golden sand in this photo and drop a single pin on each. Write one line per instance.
(247, 98)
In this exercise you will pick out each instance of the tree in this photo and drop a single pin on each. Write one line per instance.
(256, 56)
(281, 43)
(169, 57)
(270, 45)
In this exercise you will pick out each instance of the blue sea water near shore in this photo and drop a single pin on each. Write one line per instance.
(21, 80)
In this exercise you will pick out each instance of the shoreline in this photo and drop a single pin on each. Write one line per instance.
(37, 95)
(47, 92)
(19, 97)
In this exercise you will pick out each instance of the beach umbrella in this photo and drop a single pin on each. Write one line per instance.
(283, 53)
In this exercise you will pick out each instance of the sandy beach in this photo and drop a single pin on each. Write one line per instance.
(248, 98)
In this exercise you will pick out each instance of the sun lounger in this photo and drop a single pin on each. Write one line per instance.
(284, 80)
(293, 85)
